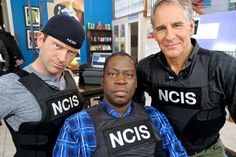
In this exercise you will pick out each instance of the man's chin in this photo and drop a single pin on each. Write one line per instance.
(121, 103)
(55, 71)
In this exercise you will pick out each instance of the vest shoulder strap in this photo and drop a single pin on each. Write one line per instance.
(22, 73)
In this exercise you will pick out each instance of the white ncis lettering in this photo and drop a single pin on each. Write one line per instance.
(65, 104)
(71, 41)
(137, 134)
(181, 97)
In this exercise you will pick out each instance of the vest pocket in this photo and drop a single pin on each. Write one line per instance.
(198, 129)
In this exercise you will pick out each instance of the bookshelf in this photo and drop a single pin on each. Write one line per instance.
(99, 40)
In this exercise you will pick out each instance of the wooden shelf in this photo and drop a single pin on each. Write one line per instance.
(100, 42)
(100, 51)
(99, 30)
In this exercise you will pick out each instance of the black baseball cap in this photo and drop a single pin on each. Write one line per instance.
(66, 29)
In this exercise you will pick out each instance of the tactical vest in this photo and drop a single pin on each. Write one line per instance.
(36, 139)
(195, 118)
(130, 136)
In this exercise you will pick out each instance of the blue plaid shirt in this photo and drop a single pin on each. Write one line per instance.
(77, 137)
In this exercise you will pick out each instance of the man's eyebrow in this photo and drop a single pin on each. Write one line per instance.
(178, 22)
(159, 27)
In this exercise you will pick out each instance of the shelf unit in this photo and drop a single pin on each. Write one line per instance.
(99, 40)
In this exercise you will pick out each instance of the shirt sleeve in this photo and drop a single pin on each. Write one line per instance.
(171, 144)
(222, 73)
(10, 93)
(228, 72)
(67, 144)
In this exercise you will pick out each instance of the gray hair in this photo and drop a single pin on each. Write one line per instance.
(186, 5)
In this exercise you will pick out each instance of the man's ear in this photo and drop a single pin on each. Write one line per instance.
(192, 27)
(40, 38)
(154, 34)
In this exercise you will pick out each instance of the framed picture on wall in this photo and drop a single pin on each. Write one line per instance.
(35, 16)
(30, 39)
(116, 38)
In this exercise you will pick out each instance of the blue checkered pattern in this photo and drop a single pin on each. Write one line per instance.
(77, 137)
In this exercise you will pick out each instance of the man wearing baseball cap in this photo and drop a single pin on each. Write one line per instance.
(36, 101)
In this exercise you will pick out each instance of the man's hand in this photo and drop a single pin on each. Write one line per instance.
(5, 69)
(19, 62)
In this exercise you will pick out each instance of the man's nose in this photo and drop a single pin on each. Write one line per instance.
(121, 79)
(169, 33)
(62, 55)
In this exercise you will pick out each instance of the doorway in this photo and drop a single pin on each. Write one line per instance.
(1, 14)
(4, 15)
(134, 40)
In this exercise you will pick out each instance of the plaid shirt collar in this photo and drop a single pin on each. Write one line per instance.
(109, 110)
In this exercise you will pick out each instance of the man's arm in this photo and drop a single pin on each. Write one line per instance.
(170, 142)
(222, 81)
(5, 56)
(67, 144)
(230, 84)
(7, 95)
